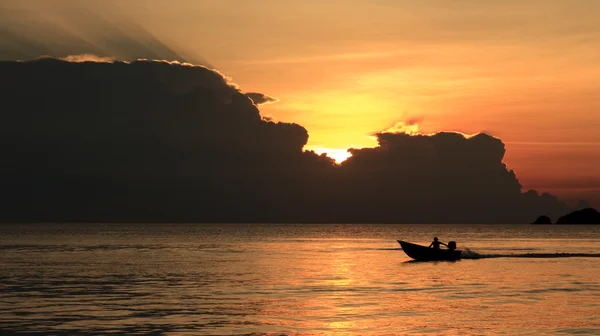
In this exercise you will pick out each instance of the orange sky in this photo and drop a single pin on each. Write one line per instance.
(525, 71)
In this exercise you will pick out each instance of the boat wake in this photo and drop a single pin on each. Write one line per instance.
(468, 254)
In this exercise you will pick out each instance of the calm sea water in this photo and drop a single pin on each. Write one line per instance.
(296, 280)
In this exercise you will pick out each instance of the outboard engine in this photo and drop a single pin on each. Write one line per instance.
(452, 245)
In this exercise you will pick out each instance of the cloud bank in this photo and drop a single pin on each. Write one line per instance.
(151, 141)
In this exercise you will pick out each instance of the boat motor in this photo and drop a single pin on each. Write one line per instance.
(452, 245)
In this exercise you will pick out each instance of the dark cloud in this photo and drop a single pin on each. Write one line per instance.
(259, 98)
(148, 141)
(168, 142)
(445, 177)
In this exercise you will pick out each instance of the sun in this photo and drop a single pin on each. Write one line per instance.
(338, 154)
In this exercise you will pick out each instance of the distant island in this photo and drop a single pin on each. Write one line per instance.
(543, 220)
(583, 217)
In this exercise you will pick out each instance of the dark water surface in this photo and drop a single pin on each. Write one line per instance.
(296, 280)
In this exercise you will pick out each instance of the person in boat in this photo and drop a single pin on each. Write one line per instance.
(436, 243)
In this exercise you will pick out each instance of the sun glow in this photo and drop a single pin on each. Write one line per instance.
(338, 154)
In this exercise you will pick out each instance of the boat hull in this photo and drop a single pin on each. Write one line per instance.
(423, 253)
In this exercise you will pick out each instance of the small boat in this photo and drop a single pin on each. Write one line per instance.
(424, 253)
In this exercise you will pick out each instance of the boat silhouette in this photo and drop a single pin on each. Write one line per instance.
(424, 253)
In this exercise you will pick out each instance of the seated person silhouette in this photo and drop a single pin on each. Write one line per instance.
(436, 243)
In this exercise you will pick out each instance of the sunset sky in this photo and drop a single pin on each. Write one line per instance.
(524, 71)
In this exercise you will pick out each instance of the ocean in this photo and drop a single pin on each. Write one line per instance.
(276, 279)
